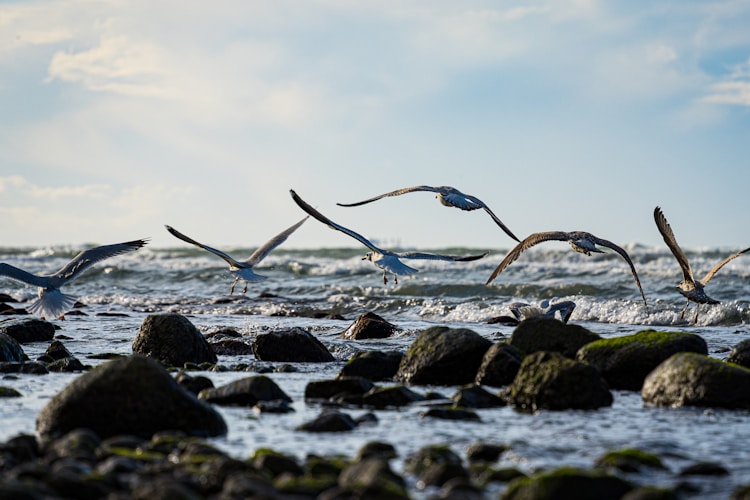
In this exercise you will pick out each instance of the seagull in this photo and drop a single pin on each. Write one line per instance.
(386, 260)
(580, 241)
(522, 310)
(52, 302)
(243, 270)
(446, 195)
(691, 289)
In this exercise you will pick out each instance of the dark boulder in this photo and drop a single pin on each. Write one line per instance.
(372, 365)
(624, 362)
(329, 421)
(435, 465)
(11, 350)
(740, 354)
(560, 483)
(443, 356)
(133, 395)
(548, 380)
(295, 345)
(172, 340)
(690, 379)
(451, 414)
(369, 326)
(499, 365)
(245, 392)
(370, 478)
(548, 334)
(475, 396)
(28, 330)
(321, 390)
(193, 384)
(390, 397)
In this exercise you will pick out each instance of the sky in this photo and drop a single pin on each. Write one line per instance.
(121, 116)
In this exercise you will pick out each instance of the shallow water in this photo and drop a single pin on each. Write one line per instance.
(302, 282)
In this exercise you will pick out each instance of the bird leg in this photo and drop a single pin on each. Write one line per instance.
(395, 279)
(695, 320)
(244, 289)
(231, 290)
(682, 315)
(385, 278)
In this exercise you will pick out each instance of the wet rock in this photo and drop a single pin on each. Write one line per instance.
(295, 345)
(460, 488)
(624, 362)
(651, 493)
(499, 365)
(274, 406)
(450, 414)
(231, 347)
(133, 395)
(245, 392)
(629, 460)
(377, 449)
(704, 469)
(321, 390)
(548, 380)
(559, 483)
(59, 359)
(740, 354)
(485, 452)
(369, 326)
(372, 365)
(435, 465)
(275, 463)
(172, 340)
(11, 350)
(548, 334)
(390, 397)
(28, 330)
(9, 392)
(474, 396)
(370, 478)
(690, 379)
(443, 356)
(30, 367)
(329, 421)
(193, 384)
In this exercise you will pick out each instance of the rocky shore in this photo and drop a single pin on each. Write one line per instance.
(138, 426)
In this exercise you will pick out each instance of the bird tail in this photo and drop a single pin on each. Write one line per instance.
(52, 304)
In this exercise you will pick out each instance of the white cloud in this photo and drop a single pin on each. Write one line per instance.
(730, 93)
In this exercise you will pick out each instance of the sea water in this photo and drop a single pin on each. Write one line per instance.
(119, 293)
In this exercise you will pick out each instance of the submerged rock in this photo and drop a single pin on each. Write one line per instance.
(295, 345)
(369, 326)
(245, 392)
(172, 340)
(548, 334)
(133, 395)
(329, 421)
(372, 365)
(28, 330)
(548, 380)
(690, 379)
(443, 356)
(624, 362)
(328, 389)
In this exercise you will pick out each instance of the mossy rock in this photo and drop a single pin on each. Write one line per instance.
(624, 362)
(629, 460)
(548, 334)
(562, 482)
(499, 365)
(690, 379)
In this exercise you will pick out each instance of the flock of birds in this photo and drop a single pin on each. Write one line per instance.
(52, 302)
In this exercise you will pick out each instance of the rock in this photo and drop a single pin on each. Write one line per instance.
(275, 463)
(133, 395)
(474, 396)
(559, 483)
(67, 365)
(499, 365)
(371, 478)
(193, 384)
(329, 421)
(377, 449)
(651, 493)
(11, 350)
(704, 469)
(369, 326)
(624, 362)
(295, 345)
(434, 465)
(9, 392)
(60, 359)
(450, 414)
(390, 397)
(548, 380)
(231, 347)
(484, 452)
(372, 365)
(320, 390)
(547, 334)
(30, 367)
(244, 392)
(690, 379)
(172, 340)
(443, 356)
(740, 354)
(28, 330)
(629, 460)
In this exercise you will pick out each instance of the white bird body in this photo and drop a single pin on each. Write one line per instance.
(242, 270)
(51, 301)
(388, 261)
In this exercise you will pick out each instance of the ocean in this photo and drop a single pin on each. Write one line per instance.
(324, 290)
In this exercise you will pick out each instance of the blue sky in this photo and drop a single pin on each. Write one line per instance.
(122, 116)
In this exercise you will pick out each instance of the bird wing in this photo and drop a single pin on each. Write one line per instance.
(718, 266)
(268, 246)
(232, 262)
(17, 274)
(325, 220)
(624, 255)
(437, 256)
(525, 244)
(89, 257)
(459, 199)
(666, 232)
(499, 222)
(392, 193)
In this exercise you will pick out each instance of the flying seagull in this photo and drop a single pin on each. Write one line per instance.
(522, 310)
(580, 241)
(243, 270)
(689, 287)
(386, 260)
(52, 302)
(448, 196)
